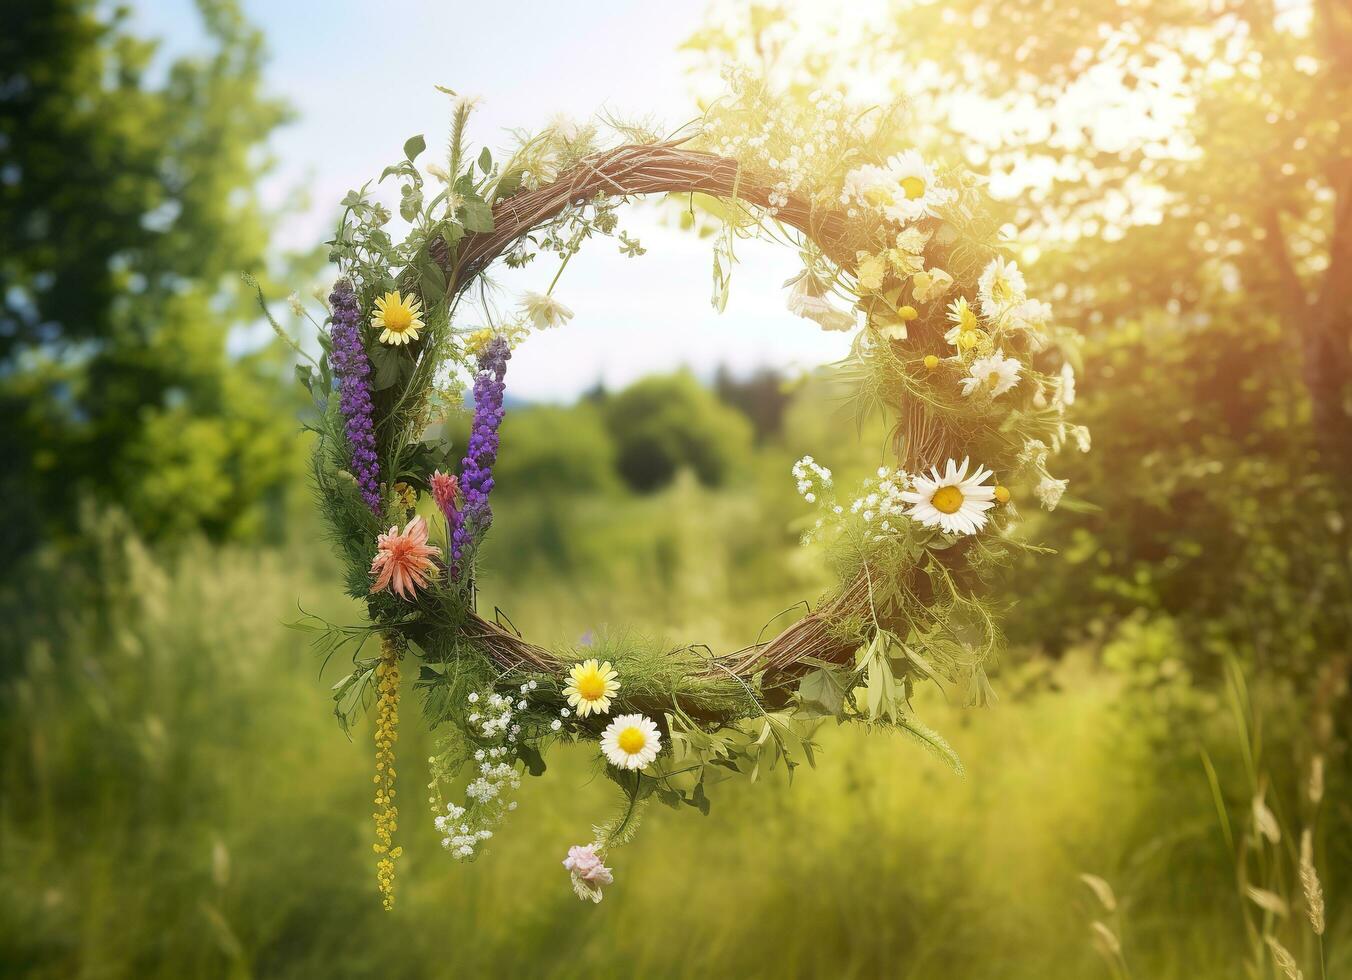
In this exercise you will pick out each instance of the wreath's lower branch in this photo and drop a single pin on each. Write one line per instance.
(817, 635)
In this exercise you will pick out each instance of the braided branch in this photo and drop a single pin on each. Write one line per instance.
(656, 168)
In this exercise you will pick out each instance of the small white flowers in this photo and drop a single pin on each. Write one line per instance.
(995, 375)
(631, 741)
(587, 871)
(544, 311)
(811, 478)
(954, 501)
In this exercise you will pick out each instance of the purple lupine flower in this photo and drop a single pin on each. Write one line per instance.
(351, 369)
(476, 470)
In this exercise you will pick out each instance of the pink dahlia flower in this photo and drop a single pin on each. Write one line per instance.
(403, 560)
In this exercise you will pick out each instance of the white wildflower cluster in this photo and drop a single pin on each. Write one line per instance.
(492, 720)
(811, 478)
(1049, 490)
(793, 145)
(880, 503)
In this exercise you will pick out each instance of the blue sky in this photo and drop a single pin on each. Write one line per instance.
(361, 78)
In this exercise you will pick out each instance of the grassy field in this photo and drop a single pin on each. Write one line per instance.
(178, 801)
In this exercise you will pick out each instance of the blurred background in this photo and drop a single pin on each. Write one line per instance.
(1168, 754)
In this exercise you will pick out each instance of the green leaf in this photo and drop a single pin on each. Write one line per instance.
(825, 689)
(306, 377)
(931, 741)
(414, 146)
(485, 160)
(385, 361)
(535, 762)
(410, 203)
(508, 184)
(699, 800)
(476, 216)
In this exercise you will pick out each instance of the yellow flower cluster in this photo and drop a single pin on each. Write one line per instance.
(387, 733)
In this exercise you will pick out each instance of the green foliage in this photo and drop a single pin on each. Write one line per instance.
(126, 212)
(662, 424)
(555, 451)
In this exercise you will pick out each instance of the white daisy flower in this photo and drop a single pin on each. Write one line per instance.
(867, 185)
(995, 374)
(804, 301)
(953, 501)
(1050, 491)
(631, 741)
(1031, 314)
(544, 311)
(1000, 287)
(916, 189)
(905, 190)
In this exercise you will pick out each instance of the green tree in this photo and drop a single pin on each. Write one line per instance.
(555, 452)
(127, 210)
(662, 424)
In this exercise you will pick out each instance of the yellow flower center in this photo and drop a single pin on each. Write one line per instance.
(397, 318)
(591, 687)
(1002, 494)
(1001, 291)
(992, 380)
(912, 187)
(931, 362)
(631, 740)
(947, 500)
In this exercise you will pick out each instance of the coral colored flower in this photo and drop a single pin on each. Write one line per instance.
(403, 560)
(444, 488)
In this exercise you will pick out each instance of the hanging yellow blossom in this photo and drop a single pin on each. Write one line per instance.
(387, 733)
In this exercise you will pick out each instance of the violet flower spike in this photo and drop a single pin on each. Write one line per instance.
(476, 470)
(351, 371)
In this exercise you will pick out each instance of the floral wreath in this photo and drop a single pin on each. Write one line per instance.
(972, 374)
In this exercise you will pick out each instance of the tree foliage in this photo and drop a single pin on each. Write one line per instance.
(1185, 170)
(128, 207)
(661, 424)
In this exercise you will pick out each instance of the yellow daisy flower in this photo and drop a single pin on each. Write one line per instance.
(398, 319)
(590, 687)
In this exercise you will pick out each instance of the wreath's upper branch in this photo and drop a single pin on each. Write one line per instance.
(660, 168)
